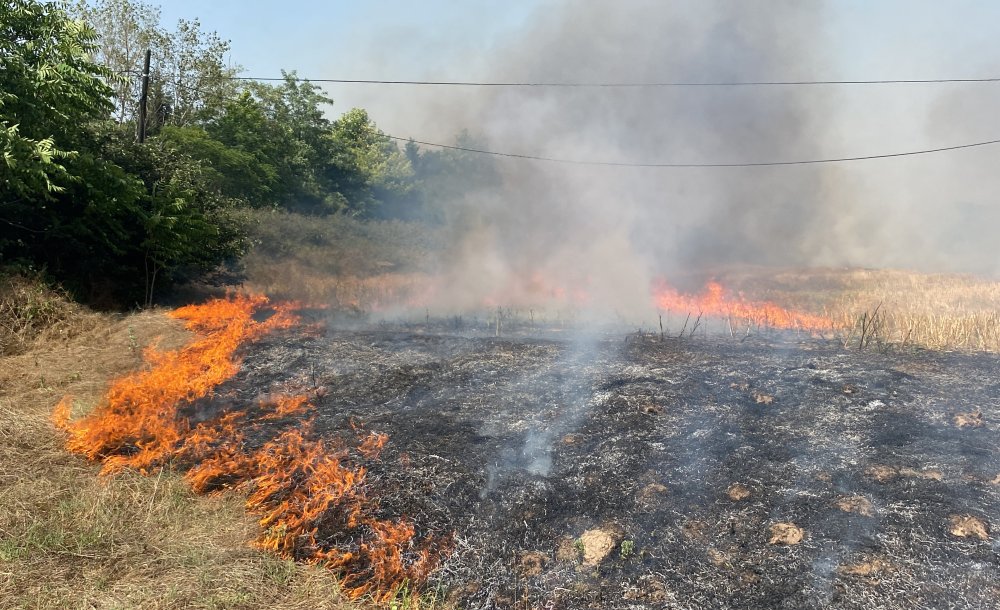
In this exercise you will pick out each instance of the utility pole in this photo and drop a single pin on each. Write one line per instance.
(143, 97)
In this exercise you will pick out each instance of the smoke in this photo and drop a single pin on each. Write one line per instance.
(612, 230)
(553, 228)
(608, 232)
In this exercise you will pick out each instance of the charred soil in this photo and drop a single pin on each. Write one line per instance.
(597, 472)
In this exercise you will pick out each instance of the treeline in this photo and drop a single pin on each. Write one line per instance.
(116, 221)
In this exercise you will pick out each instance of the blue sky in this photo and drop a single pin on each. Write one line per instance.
(329, 38)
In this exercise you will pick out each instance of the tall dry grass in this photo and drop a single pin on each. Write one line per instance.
(339, 261)
(888, 307)
(290, 279)
(32, 310)
(370, 266)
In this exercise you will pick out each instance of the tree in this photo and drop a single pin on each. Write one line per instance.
(229, 171)
(296, 108)
(194, 73)
(442, 178)
(245, 127)
(182, 223)
(189, 77)
(125, 29)
(48, 89)
(78, 197)
(367, 166)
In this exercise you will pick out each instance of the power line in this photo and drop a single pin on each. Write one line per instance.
(695, 165)
(625, 85)
(677, 165)
(605, 85)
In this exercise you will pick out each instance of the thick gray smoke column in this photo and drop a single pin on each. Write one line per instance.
(611, 230)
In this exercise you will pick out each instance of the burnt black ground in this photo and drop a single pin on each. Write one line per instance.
(520, 445)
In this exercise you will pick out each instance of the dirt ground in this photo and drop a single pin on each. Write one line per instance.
(623, 471)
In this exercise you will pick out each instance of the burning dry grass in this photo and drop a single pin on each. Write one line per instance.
(863, 308)
(738, 310)
(374, 266)
(309, 494)
(867, 309)
(71, 539)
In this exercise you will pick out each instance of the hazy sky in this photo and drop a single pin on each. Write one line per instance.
(867, 39)
(442, 39)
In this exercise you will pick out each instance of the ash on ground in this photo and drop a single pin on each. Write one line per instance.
(640, 472)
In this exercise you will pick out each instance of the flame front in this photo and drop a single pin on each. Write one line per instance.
(309, 494)
(714, 302)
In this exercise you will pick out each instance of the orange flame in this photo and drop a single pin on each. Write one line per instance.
(714, 302)
(310, 496)
(372, 445)
(283, 406)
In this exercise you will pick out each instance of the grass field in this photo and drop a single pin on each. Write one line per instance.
(899, 308)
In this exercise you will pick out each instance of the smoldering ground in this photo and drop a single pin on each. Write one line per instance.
(521, 445)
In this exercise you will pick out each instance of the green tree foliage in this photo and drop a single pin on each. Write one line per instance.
(78, 196)
(367, 166)
(441, 179)
(229, 170)
(267, 145)
(48, 89)
(274, 146)
(245, 128)
(181, 221)
(298, 108)
(194, 76)
(117, 221)
(124, 30)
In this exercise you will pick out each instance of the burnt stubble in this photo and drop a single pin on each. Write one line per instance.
(779, 471)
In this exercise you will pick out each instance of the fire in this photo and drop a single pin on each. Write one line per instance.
(283, 406)
(136, 426)
(714, 302)
(309, 494)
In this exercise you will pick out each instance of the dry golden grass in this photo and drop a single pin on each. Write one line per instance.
(72, 539)
(932, 311)
(30, 309)
(878, 308)
(892, 307)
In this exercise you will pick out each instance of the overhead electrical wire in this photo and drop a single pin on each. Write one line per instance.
(606, 85)
(624, 85)
(696, 165)
(677, 165)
